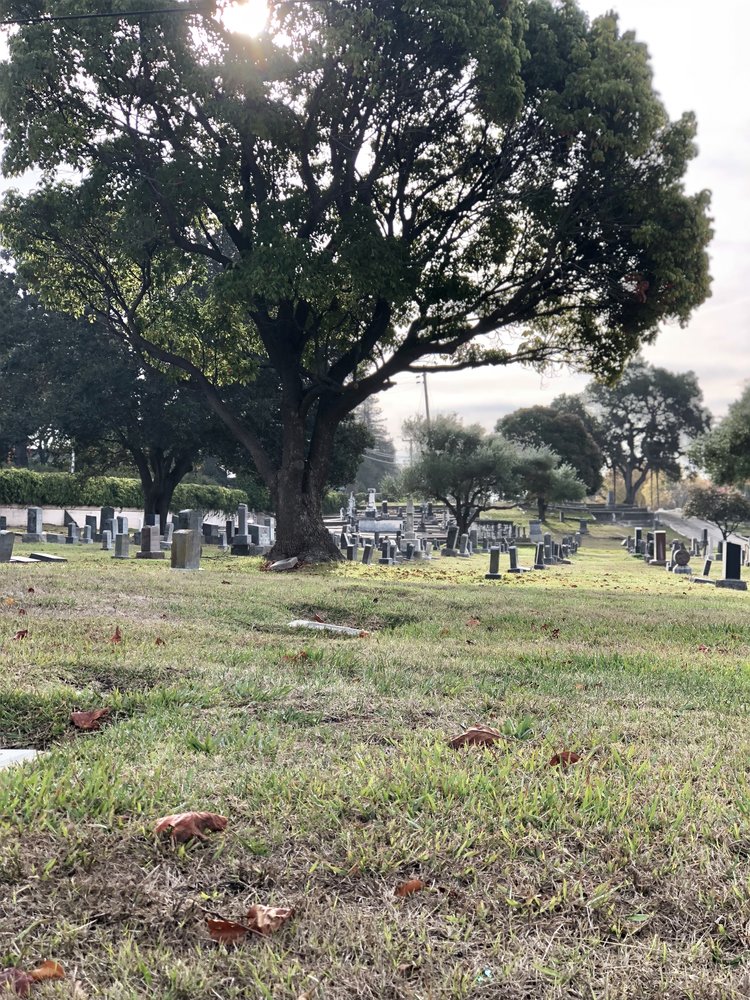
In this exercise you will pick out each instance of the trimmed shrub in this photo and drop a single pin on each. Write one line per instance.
(61, 489)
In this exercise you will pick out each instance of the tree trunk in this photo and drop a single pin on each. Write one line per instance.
(299, 527)
(541, 508)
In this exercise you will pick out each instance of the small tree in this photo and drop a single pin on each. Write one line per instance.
(564, 433)
(725, 507)
(544, 479)
(463, 467)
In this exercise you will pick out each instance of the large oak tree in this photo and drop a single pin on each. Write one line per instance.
(371, 187)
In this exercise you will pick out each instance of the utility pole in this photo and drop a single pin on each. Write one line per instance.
(427, 408)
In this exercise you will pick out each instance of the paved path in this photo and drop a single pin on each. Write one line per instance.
(692, 527)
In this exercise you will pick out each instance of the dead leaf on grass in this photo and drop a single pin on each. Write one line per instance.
(9, 601)
(21, 634)
(116, 635)
(297, 657)
(160, 641)
(17, 981)
(22, 611)
(226, 931)
(407, 888)
(182, 826)
(268, 919)
(478, 735)
(473, 622)
(564, 759)
(46, 971)
(89, 721)
(318, 617)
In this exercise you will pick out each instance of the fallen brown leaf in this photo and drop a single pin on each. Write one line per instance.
(267, 919)
(116, 635)
(89, 720)
(407, 888)
(478, 735)
(22, 611)
(47, 970)
(21, 634)
(318, 617)
(226, 931)
(182, 826)
(10, 601)
(31, 591)
(564, 758)
(473, 622)
(160, 641)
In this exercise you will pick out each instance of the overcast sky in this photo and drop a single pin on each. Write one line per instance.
(699, 57)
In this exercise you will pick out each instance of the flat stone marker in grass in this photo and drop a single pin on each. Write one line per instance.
(45, 557)
(704, 577)
(10, 757)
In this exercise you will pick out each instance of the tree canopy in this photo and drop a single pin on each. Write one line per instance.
(462, 466)
(725, 451)
(543, 479)
(562, 432)
(369, 188)
(644, 422)
(725, 507)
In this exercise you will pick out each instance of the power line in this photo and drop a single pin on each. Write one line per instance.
(204, 8)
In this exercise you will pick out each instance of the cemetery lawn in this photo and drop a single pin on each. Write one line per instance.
(625, 875)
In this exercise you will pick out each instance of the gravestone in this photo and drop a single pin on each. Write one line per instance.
(367, 554)
(3, 522)
(450, 541)
(166, 542)
(379, 527)
(385, 553)
(121, 525)
(150, 543)
(474, 539)
(106, 514)
(638, 543)
(583, 526)
(494, 573)
(122, 546)
(91, 522)
(548, 554)
(186, 549)
(513, 556)
(371, 510)
(535, 532)
(72, 538)
(731, 568)
(705, 575)
(87, 537)
(539, 558)
(464, 550)
(680, 562)
(241, 544)
(7, 538)
(409, 522)
(660, 549)
(34, 526)
(192, 520)
(107, 540)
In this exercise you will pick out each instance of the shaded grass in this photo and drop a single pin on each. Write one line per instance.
(624, 876)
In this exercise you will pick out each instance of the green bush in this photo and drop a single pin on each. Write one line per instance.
(60, 489)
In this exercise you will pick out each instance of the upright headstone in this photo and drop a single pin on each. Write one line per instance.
(680, 562)
(34, 525)
(72, 538)
(186, 549)
(166, 543)
(150, 543)
(106, 514)
(660, 549)
(450, 541)
(87, 537)
(494, 572)
(513, 556)
(3, 522)
(731, 568)
(122, 546)
(705, 576)
(583, 526)
(7, 538)
(367, 554)
(539, 558)
(638, 542)
(464, 550)
(121, 524)
(549, 557)
(107, 540)
(385, 553)
(91, 522)
(384, 508)
(409, 521)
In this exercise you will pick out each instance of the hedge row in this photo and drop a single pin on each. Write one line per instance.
(60, 489)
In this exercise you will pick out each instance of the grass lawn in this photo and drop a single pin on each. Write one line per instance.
(626, 875)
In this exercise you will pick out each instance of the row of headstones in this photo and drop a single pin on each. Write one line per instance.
(400, 549)
(653, 549)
